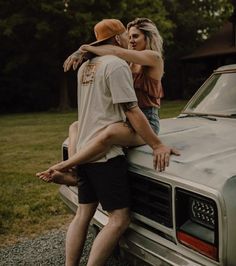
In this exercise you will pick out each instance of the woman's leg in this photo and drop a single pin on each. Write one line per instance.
(120, 134)
(73, 134)
(115, 134)
(69, 177)
(152, 115)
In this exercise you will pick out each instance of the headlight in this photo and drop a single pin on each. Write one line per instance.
(197, 223)
(202, 212)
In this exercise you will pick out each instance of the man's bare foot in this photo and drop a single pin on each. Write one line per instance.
(66, 178)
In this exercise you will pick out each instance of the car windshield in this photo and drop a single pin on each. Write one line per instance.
(216, 97)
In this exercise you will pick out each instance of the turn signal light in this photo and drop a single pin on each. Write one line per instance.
(206, 249)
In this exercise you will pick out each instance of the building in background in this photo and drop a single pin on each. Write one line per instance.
(218, 50)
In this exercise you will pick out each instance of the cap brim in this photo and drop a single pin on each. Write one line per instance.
(96, 42)
(100, 41)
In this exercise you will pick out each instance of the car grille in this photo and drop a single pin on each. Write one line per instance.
(152, 199)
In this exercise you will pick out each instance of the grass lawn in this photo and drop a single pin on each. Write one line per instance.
(30, 143)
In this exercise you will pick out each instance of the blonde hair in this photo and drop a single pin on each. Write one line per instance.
(152, 35)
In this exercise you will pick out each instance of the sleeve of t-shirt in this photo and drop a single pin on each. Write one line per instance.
(120, 82)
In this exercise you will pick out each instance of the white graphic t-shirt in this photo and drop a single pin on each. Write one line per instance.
(103, 83)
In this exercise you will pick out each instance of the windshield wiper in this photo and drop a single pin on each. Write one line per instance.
(197, 115)
(233, 115)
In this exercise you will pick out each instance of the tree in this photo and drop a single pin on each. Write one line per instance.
(37, 36)
(195, 21)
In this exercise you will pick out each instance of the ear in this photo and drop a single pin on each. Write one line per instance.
(117, 37)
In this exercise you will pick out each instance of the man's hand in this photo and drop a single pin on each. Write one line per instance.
(45, 175)
(68, 178)
(161, 156)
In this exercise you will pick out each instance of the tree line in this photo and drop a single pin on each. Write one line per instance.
(37, 35)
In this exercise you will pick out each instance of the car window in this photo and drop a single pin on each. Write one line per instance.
(217, 96)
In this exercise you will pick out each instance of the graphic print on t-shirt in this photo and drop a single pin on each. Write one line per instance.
(88, 74)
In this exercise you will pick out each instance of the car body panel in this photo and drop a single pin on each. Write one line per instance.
(207, 150)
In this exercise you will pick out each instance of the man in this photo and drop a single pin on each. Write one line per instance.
(106, 96)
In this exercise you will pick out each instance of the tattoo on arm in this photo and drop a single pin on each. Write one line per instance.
(129, 105)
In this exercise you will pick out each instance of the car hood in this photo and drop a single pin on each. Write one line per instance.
(208, 150)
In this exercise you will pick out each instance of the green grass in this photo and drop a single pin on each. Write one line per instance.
(30, 143)
(171, 108)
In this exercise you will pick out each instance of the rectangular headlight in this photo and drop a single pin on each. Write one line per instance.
(197, 223)
(202, 211)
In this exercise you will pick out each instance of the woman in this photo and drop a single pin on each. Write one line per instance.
(147, 66)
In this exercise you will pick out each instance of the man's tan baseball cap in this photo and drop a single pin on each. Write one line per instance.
(107, 28)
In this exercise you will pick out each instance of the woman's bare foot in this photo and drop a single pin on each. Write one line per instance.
(64, 178)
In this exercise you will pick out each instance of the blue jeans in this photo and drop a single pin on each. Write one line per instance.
(153, 117)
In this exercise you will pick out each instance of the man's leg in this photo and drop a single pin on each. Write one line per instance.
(108, 237)
(77, 233)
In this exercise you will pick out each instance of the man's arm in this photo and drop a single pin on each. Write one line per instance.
(161, 153)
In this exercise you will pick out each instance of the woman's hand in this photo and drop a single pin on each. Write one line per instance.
(84, 48)
(74, 60)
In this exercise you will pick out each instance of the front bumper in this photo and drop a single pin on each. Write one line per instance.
(136, 245)
(139, 249)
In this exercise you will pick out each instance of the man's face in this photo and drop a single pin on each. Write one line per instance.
(124, 40)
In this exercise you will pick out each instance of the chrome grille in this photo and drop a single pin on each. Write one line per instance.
(151, 198)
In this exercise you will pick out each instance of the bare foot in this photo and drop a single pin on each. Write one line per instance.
(66, 178)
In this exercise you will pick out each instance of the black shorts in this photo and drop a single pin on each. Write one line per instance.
(106, 183)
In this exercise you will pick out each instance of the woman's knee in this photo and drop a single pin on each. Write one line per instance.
(74, 126)
(108, 135)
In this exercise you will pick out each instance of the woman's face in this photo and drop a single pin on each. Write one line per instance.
(137, 40)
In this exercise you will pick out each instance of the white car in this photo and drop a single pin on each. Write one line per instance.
(185, 215)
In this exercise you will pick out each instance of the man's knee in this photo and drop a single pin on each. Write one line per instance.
(85, 212)
(120, 219)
